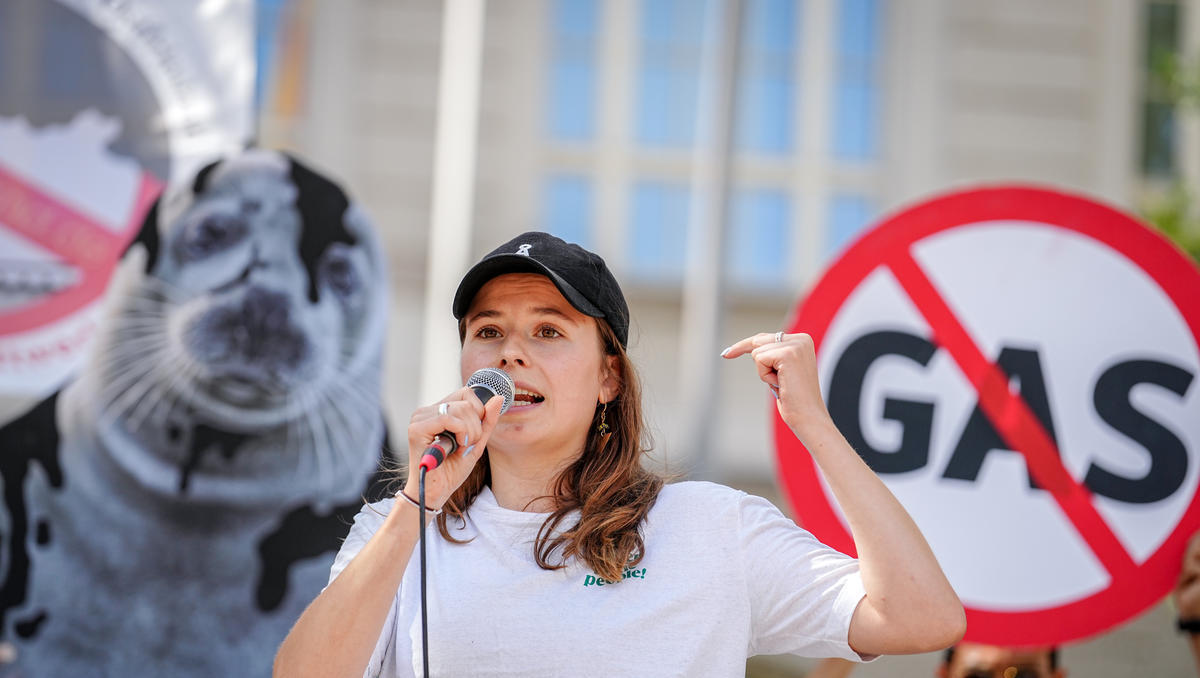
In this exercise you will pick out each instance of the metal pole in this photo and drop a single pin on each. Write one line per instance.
(453, 192)
(708, 234)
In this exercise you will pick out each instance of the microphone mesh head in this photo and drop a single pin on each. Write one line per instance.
(496, 381)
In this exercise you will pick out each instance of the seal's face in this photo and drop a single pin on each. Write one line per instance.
(268, 291)
(245, 325)
(274, 297)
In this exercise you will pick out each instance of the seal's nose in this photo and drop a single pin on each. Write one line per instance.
(264, 309)
(268, 334)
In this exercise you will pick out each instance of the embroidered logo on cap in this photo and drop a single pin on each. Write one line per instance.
(524, 249)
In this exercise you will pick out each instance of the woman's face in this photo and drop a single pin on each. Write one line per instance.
(520, 323)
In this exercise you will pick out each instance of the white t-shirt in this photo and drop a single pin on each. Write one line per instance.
(725, 576)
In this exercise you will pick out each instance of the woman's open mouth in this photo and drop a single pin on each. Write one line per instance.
(524, 398)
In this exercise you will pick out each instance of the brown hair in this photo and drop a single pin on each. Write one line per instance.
(606, 484)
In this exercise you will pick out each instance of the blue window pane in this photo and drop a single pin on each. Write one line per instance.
(856, 86)
(858, 28)
(773, 24)
(760, 239)
(671, 36)
(658, 237)
(571, 90)
(767, 95)
(575, 19)
(848, 214)
(567, 208)
(572, 107)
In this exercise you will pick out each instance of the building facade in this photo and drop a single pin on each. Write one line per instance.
(590, 126)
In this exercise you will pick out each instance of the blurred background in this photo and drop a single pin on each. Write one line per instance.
(719, 154)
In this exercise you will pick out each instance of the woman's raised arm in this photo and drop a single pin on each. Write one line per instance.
(909, 605)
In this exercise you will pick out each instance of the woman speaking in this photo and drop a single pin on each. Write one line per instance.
(552, 552)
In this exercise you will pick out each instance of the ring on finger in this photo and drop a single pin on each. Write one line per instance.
(443, 408)
(779, 336)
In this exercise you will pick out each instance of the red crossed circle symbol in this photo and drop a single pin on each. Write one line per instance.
(1134, 586)
(79, 239)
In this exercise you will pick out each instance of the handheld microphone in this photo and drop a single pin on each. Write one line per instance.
(486, 383)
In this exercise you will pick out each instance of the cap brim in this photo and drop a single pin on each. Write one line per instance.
(502, 264)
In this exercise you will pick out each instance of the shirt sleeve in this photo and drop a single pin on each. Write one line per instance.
(802, 593)
(383, 658)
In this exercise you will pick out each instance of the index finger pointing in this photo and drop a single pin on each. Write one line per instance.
(748, 344)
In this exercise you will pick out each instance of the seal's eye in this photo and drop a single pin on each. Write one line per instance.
(211, 234)
(337, 271)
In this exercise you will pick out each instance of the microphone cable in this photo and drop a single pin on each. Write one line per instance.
(486, 383)
(421, 539)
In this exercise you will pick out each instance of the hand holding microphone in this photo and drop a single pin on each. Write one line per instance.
(484, 383)
(463, 419)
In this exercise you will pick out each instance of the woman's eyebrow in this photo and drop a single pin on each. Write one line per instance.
(486, 313)
(539, 310)
(550, 310)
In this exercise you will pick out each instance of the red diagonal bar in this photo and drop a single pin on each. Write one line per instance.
(80, 239)
(1012, 417)
(46, 221)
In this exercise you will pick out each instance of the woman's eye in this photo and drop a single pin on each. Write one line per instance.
(549, 333)
(487, 333)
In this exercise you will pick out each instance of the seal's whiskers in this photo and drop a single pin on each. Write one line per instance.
(321, 449)
(117, 383)
(341, 429)
(164, 290)
(364, 412)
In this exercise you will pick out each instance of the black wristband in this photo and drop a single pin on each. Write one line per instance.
(1188, 625)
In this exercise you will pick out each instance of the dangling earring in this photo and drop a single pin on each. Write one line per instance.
(602, 427)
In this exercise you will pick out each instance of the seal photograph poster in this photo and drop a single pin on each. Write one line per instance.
(194, 333)
(1019, 365)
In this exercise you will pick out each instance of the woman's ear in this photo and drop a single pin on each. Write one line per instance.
(610, 383)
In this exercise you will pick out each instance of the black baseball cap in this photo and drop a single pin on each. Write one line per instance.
(581, 276)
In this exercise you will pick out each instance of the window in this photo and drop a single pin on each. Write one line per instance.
(848, 214)
(571, 105)
(567, 208)
(671, 36)
(856, 90)
(1159, 131)
(768, 77)
(658, 239)
(661, 78)
(759, 239)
